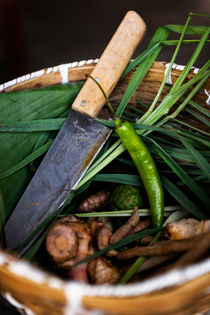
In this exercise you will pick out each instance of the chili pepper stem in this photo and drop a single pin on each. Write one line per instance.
(104, 94)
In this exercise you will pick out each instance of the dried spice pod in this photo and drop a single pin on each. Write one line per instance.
(94, 201)
(101, 271)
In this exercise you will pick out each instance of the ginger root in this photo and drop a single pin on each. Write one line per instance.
(126, 228)
(68, 242)
(186, 228)
(101, 271)
(94, 202)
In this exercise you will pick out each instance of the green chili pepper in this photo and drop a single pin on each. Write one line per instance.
(146, 168)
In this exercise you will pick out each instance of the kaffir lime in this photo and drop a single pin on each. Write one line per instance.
(125, 197)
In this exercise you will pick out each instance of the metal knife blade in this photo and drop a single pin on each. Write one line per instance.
(64, 164)
(78, 141)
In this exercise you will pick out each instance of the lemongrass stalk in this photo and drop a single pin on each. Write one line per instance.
(199, 117)
(200, 14)
(100, 166)
(200, 109)
(192, 127)
(192, 30)
(151, 108)
(174, 42)
(193, 137)
(186, 101)
(173, 97)
(107, 153)
(126, 213)
(192, 60)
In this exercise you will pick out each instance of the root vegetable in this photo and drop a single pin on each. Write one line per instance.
(187, 228)
(61, 243)
(143, 224)
(69, 241)
(101, 233)
(126, 228)
(94, 202)
(160, 248)
(101, 271)
(79, 273)
(195, 253)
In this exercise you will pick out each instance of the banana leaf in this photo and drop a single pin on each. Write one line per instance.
(45, 103)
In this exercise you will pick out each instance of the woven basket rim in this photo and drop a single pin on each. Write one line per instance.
(63, 70)
(28, 270)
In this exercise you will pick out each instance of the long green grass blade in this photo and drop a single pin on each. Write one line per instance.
(121, 243)
(189, 97)
(167, 72)
(198, 158)
(185, 42)
(173, 97)
(192, 30)
(2, 213)
(179, 122)
(182, 199)
(199, 117)
(182, 174)
(200, 108)
(128, 179)
(192, 60)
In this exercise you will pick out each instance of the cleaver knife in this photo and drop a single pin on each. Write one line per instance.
(79, 139)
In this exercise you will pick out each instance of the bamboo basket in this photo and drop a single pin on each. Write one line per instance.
(34, 291)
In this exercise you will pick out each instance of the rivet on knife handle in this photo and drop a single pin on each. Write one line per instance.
(111, 64)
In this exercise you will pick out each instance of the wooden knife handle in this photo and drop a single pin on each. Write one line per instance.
(111, 65)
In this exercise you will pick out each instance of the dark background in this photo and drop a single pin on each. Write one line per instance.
(39, 34)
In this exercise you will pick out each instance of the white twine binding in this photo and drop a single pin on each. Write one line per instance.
(64, 73)
(208, 99)
(63, 69)
(177, 67)
(18, 305)
(76, 291)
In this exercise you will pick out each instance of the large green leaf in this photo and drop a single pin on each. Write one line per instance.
(45, 103)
